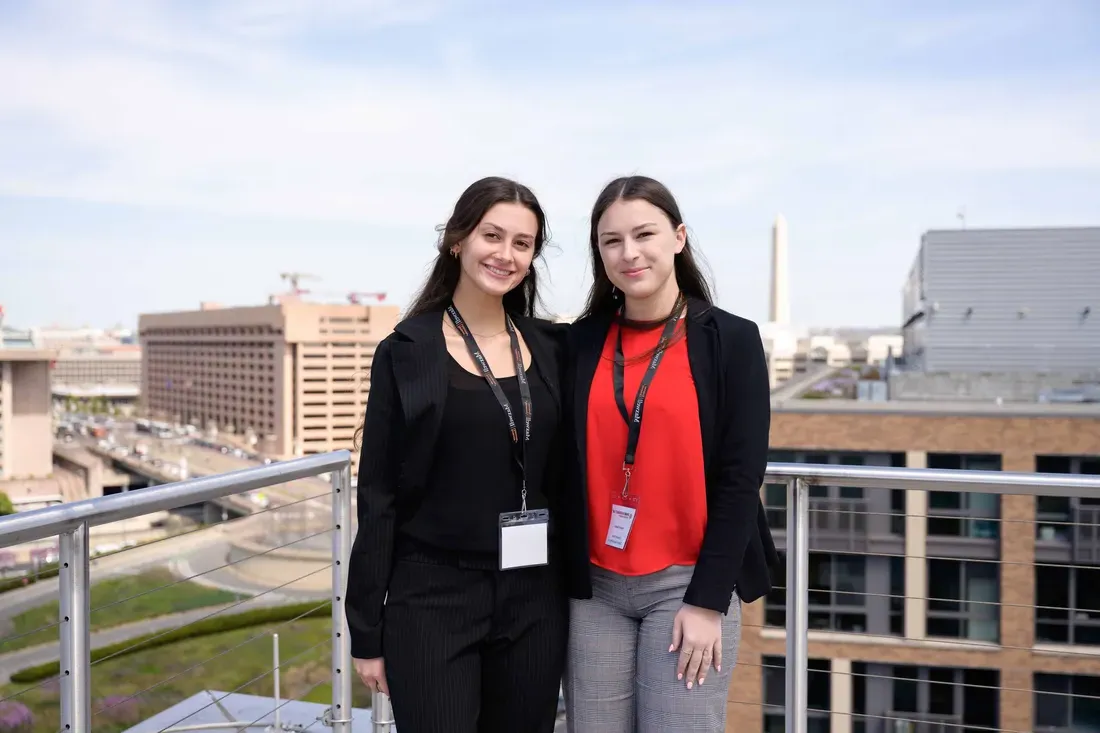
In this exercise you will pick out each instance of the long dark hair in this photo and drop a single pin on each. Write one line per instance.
(469, 210)
(689, 276)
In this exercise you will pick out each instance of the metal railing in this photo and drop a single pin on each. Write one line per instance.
(72, 523)
(798, 479)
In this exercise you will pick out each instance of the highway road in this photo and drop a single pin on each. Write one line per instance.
(202, 460)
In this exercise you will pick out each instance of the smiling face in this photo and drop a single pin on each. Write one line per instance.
(638, 245)
(499, 251)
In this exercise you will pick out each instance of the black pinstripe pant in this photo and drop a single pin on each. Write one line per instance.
(472, 649)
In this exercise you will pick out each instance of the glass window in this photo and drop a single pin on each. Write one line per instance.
(1067, 605)
(1065, 703)
(963, 599)
(964, 514)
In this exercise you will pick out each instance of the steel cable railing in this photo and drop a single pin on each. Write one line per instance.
(7, 640)
(914, 677)
(961, 652)
(297, 534)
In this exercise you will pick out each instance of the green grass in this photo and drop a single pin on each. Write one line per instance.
(183, 596)
(304, 651)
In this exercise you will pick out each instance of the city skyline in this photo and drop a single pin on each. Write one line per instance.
(155, 157)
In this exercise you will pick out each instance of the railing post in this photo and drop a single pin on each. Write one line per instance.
(798, 582)
(75, 631)
(341, 645)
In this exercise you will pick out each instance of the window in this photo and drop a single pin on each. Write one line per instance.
(1067, 605)
(837, 594)
(838, 591)
(840, 510)
(818, 694)
(964, 514)
(963, 600)
(1067, 703)
(1061, 518)
(849, 593)
(900, 697)
(897, 595)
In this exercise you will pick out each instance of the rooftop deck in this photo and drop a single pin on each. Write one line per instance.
(946, 635)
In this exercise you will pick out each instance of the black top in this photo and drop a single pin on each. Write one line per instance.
(474, 476)
(403, 433)
(727, 362)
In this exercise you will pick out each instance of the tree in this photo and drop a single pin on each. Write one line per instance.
(5, 505)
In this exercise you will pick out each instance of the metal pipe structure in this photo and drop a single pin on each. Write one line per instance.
(798, 599)
(275, 681)
(937, 479)
(75, 630)
(71, 522)
(36, 524)
(342, 670)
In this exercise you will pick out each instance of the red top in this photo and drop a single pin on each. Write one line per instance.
(668, 478)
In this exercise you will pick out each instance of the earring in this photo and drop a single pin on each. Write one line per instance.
(454, 252)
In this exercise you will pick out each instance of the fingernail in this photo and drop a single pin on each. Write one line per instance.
(701, 680)
(671, 647)
(689, 684)
(719, 667)
(679, 676)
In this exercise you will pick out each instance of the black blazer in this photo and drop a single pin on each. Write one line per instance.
(727, 362)
(404, 412)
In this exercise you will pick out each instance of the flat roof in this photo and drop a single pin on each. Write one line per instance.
(21, 354)
(939, 408)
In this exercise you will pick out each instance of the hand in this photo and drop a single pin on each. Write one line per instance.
(699, 632)
(373, 674)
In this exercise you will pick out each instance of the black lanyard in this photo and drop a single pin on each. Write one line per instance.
(634, 419)
(524, 389)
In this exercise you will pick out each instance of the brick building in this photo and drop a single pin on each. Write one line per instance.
(924, 606)
(294, 374)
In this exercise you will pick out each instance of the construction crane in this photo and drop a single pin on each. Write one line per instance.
(356, 298)
(293, 278)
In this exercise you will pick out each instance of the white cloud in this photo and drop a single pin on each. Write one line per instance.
(209, 113)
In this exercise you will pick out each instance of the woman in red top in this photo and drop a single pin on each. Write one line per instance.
(671, 411)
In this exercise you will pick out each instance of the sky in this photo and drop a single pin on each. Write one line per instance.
(161, 153)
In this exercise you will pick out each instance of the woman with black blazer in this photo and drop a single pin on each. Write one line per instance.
(671, 410)
(455, 602)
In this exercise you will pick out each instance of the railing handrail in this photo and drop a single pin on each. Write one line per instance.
(37, 524)
(937, 479)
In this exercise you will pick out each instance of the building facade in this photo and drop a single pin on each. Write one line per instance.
(26, 435)
(958, 611)
(27, 473)
(1004, 300)
(295, 375)
(108, 372)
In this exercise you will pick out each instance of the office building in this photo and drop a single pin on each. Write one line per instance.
(932, 611)
(108, 375)
(1004, 300)
(291, 376)
(27, 473)
(991, 596)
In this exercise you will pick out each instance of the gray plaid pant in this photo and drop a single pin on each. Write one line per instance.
(620, 676)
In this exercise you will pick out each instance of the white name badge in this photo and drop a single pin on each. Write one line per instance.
(524, 539)
(618, 530)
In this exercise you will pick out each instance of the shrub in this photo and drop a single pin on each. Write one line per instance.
(15, 716)
(45, 571)
(206, 627)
